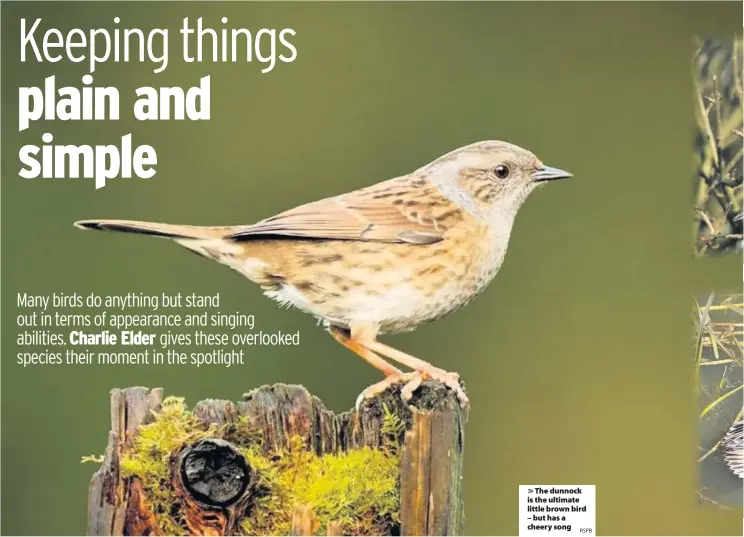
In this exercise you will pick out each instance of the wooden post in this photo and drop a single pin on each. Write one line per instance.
(214, 483)
(110, 499)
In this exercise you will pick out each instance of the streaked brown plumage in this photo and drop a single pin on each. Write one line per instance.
(733, 448)
(385, 258)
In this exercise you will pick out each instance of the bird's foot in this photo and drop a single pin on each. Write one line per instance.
(411, 382)
(451, 380)
(391, 380)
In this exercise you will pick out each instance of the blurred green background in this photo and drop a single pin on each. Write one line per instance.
(576, 359)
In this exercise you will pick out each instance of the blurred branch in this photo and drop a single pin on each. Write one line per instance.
(718, 116)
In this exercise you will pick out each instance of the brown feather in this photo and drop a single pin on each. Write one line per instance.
(397, 210)
(157, 229)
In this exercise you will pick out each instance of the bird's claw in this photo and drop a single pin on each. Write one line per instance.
(452, 381)
(379, 387)
(411, 382)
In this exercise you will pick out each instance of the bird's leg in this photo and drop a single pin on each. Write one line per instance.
(351, 339)
(348, 340)
(451, 380)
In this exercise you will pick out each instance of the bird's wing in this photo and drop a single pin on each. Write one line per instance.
(399, 210)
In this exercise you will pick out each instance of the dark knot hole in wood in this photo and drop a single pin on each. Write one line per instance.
(214, 473)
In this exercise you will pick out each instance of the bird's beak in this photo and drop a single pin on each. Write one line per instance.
(548, 173)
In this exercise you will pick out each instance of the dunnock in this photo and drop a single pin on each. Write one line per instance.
(385, 258)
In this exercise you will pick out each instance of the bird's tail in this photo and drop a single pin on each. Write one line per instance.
(207, 241)
(170, 231)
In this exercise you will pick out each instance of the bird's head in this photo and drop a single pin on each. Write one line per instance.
(491, 174)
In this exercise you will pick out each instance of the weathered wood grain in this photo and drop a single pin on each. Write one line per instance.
(214, 482)
(108, 495)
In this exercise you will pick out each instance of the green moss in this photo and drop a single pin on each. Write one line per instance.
(393, 428)
(358, 488)
(149, 459)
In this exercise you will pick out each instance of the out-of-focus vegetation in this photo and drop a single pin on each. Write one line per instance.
(718, 372)
(718, 146)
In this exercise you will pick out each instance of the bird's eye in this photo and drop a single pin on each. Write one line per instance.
(501, 171)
